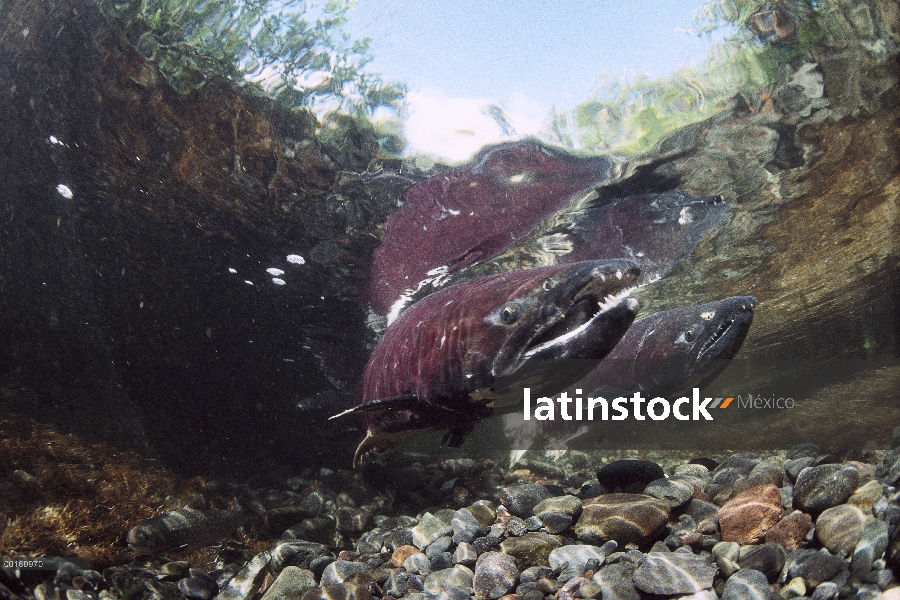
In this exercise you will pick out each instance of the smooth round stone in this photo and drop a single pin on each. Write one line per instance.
(766, 472)
(340, 571)
(494, 572)
(701, 510)
(838, 528)
(428, 526)
(822, 487)
(624, 518)
(747, 517)
(866, 495)
(628, 475)
(442, 544)
(346, 591)
(871, 546)
(791, 531)
(577, 555)
(727, 555)
(521, 499)
(748, 585)
(829, 591)
(615, 583)
(674, 492)
(792, 468)
(319, 530)
(796, 587)
(558, 513)
(768, 559)
(201, 588)
(458, 577)
(694, 473)
(531, 549)
(813, 566)
(669, 573)
(418, 563)
(292, 582)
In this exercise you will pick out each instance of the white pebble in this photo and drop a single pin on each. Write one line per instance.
(274, 272)
(64, 191)
(296, 259)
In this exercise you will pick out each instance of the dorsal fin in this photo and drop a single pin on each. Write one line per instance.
(403, 402)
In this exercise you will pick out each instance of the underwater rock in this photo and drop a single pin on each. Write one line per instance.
(290, 583)
(558, 513)
(674, 492)
(624, 518)
(790, 531)
(824, 486)
(768, 559)
(469, 213)
(532, 549)
(521, 500)
(495, 575)
(628, 475)
(671, 573)
(748, 585)
(748, 516)
(579, 555)
(838, 528)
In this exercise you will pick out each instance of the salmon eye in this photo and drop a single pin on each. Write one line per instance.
(689, 335)
(509, 314)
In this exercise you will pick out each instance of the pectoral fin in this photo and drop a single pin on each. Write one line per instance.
(404, 402)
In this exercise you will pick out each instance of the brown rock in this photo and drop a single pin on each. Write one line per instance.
(621, 517)
(747, 517)
(401, 554)
(791, 531)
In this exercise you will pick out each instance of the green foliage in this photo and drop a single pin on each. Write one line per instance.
(294, 51)
(759, 37)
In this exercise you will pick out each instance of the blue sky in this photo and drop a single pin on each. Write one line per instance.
(527, 56)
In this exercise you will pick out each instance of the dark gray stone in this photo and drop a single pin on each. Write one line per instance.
(671, 573)
(768, 559)
(521, 499)
(822, 487)
(629, 475)
(748, 585)
(493, 572)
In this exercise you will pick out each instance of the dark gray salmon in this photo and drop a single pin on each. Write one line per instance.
(436, 364)
(185, 527)
(654, 230)
(674, 349)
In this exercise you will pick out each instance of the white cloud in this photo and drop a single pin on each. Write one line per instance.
(453, 129)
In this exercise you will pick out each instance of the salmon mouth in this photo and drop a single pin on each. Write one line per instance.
(733, 326)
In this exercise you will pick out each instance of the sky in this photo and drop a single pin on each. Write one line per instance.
(528, 57)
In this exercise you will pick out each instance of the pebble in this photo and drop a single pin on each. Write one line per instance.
(872, 543)
(578, 556)
(827, 591)
(727, 555)
(399, 555)
(248, 580)
(531, 549)
(748, 585)
(674, 492)
(427, 526)
(768, 559)
(748, 516)
(616, 583)
(292, 582)
(790, 531)
(792, 468)
(454, 581)
(558, 513)
(343, 571)
(796, 587)
(629, 475)
(813, 566)
(824, 486)
(624, 518)
(669, 573)
(337, 592)
(838, 528)
(495, 575)
(866, 495)
(417, 563)
(521, 499)
(465, 554)
(200, 588)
